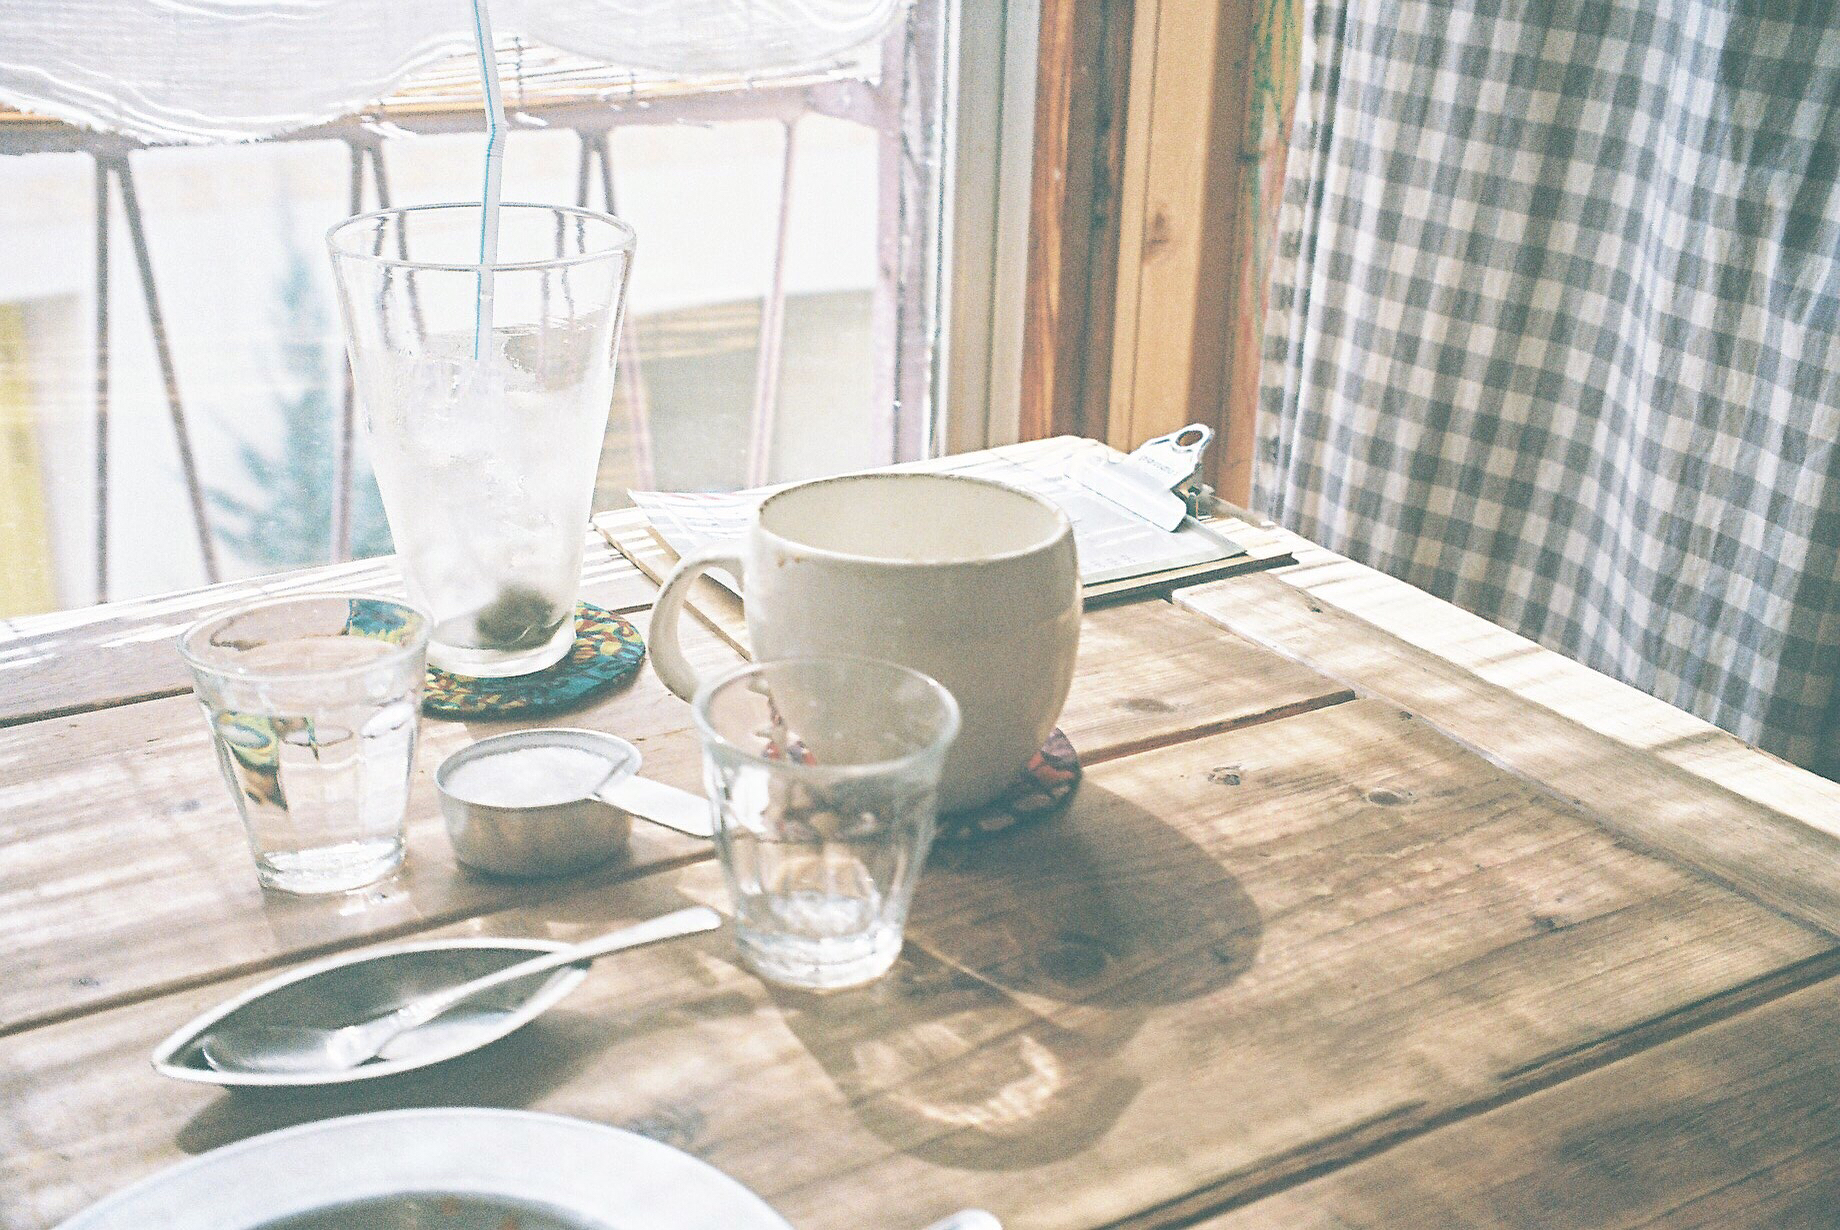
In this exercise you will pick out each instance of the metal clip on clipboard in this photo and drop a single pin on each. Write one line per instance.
(1153, 482)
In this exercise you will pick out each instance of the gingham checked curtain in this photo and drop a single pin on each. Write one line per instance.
(1553, 334)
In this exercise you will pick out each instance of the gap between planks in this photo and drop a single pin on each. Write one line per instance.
(1206, 729)
(115, 702)
(1579, 807)
(110, 640)
(1409, 1121)
(540, 892)
(70, 711)
(1753, 848)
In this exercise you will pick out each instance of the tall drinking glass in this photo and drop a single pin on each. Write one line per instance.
(485, 392)
(824, 775)
(312, 704)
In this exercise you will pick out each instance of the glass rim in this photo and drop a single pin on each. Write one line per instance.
(416, 644)
(938, 746)
(624, 244)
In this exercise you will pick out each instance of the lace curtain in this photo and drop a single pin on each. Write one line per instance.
(189, 71)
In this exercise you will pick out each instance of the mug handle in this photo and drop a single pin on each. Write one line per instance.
(674, 670)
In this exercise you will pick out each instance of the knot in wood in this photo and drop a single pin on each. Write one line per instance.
(1159, 234)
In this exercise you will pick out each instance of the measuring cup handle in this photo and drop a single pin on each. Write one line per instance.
(667, 653)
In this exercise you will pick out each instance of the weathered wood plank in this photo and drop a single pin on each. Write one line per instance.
(1761, 825)
(1545, 678)
(1237, 958)
(120, 652)
(127, 871)
(1149, 674)
(119, 816)
(1731, 1127)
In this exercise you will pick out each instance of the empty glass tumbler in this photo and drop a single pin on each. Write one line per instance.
(823, 774)
(313, 705)
(485, 392)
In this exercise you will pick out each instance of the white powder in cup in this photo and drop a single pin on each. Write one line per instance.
(535, 775)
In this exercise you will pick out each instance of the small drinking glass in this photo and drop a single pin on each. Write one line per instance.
(823, 774)
(313, 704)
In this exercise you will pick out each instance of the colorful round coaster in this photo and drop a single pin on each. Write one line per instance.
(1041, 790)
(607, 652)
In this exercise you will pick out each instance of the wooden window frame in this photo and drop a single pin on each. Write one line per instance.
(1160, 133)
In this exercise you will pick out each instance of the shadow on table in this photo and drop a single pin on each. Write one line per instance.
(998, 1040)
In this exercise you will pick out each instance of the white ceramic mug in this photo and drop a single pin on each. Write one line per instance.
(969, 581)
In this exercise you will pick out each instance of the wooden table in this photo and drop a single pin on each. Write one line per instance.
(1367, 914)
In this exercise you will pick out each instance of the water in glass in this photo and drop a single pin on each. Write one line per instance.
(314, 723)
(321, 778)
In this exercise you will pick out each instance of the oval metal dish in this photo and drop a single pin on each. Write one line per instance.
(353, 987)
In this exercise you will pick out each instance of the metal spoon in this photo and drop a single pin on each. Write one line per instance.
(302, 1048)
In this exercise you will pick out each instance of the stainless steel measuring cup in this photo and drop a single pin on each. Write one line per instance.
(535, 819)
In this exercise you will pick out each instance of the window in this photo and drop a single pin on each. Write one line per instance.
(808, 271)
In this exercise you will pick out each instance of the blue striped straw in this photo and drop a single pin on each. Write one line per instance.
(488, 197)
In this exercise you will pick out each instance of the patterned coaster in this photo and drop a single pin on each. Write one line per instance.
(607, 651)
(1041, 790)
